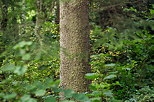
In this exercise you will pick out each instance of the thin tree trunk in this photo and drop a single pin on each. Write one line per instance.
(14, 28)
(39, 21)
(57, 12)
(4, 10)
(74, 42)
(3, 29)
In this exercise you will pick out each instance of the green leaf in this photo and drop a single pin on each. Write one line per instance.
(22, 44)
(66, 101)
(108, 93)
(92, 87)
(110, 65)
(91, 76)
(20, 70)
(153, 5)
(30, 87)
(96, 93)
(110, 77)
(68, 93)
(128, 69)
(1, 95)
(8, 67)
(10, 96)
(40, 92)
(27, 98)
(26, 56)
(96, 99)
(80, 97)
(151, 11)
(50, 99)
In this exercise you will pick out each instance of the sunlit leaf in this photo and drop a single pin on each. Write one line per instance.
(22, 44)
(91, 76)
(110, 77)
(26, 57)
(40, 92)
(20, 70)
(110, 65)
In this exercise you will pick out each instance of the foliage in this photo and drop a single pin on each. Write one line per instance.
(144, 94)
(123, 60)
(121, 53)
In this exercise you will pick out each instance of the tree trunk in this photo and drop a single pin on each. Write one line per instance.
(14, 28)
(57, 12)
(39, 21)
(3, 29)
(74, 43)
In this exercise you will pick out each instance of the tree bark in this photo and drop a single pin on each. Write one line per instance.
(74, 43)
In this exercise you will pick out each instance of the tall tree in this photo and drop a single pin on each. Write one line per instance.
(74, 43)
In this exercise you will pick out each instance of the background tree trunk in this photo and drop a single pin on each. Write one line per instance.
(57, 12)
(3, 24)
(74, 42)
(39, 20)
(3, 34)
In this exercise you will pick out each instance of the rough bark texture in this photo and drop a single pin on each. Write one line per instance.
(74, 42)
